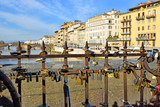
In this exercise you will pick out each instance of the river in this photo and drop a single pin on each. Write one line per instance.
(35, 51)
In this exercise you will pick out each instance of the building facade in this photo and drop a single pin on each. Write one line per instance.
(100, 27)
(141, 24)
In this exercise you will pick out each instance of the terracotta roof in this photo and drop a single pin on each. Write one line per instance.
(144, 4)
(117, 13)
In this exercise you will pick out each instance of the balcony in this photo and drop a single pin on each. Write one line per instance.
(145, 38)
(125, 33)
(140, 18)
(124, 39)
(94, 43)
(125, 26)
(152, 16)
(125, 20)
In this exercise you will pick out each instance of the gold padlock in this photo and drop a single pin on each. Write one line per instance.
(138, 65)
(116, 75)
(110, 75)
(69, 50)
(79, 81)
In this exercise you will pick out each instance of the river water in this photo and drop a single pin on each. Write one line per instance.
(36, 51)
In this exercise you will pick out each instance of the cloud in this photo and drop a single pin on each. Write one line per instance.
(8, 34)
(26, 22)
(26, 6)
(84, 8)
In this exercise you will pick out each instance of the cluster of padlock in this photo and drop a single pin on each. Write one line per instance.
(142, 82)
(19, 73)
(80, 77)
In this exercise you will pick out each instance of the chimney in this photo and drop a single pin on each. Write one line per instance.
(112, 9)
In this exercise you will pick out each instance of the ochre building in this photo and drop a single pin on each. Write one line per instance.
(141, 24)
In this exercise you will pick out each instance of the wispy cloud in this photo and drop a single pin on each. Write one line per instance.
(26, 22)
(84, 8)
(24, 6)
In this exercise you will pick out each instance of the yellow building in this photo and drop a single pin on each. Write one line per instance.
(141, 24)
(81, 36)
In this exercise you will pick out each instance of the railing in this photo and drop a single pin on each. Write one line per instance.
(145, 38)
(124, 39)
(83, 75)
(151, 16)
(125, 20)
(140, 18)
(125, 33)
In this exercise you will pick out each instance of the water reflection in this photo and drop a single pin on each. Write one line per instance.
(5, 51)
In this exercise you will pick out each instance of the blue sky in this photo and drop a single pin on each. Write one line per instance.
(32, 19)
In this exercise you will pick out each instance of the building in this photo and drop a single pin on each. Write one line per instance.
(70, 32)
(100, 27)
(141, 24)
(48, 39)
(81, 35)
(56, 38)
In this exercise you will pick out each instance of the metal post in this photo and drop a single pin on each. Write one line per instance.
(125, 74)
(158, 78)
(106, 78)
(19, 65)
(86, 81)
(43, 78)
(65, 76)
(142, 73)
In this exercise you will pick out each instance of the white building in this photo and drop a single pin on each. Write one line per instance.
(100, 27)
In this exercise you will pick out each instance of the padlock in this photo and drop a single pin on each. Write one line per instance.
(27, 76)
(138, 65)
(95, 63)
(99, 76)
(92, 74)
(20, 76)
(30, 74)
(110, 75)
(137, 84)
(40, 60)
(116, 75)
(36, 76)
(69, 50)
(79, 81)
(10, 76)
(83, 76)
(58, 76)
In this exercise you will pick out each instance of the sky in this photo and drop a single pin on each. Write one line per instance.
(22, 20)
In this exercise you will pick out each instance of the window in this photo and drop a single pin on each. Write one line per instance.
(138, 15)
(154, 19)
(143, 14)
(115, 21)
(110, 33)
(154, 12)
(129, 16)
(149, 28)
(109, 27)
(142, 27)
(138, 43)
(138, 28)
(144, 43)
(154, 26)
(147, 43)
(138, 21)
(115, 27)
(142, 21)
(149, 13)
(149, 20)
(110, 21)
